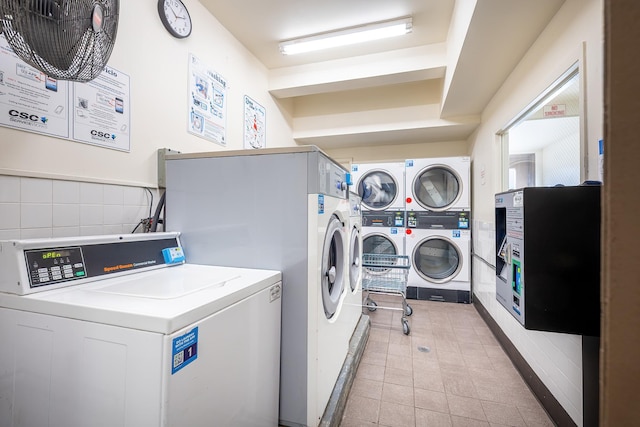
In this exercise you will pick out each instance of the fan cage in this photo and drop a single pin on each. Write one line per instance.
(60, 37)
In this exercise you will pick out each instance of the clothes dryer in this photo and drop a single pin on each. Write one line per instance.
(440, 264)
(103, 330)
(380, 185)
(438, 184)
(284, 209)
(383, 232)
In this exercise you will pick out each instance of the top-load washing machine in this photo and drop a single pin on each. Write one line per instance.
(106, 330)
(380, 185)
(283, 209)
(438, 184)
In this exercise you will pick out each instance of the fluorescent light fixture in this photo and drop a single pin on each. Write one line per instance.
(347, 37)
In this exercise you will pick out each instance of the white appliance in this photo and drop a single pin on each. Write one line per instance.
(440, 264)
(380, 185)
(102, 331)
(383, 232)
(283, 209)
(438, 184)
(352, 306)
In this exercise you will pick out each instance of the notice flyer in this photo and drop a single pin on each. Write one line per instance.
(97, 112)
(254, 124)
(207, 114)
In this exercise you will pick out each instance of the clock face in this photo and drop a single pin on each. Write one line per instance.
(175, 17)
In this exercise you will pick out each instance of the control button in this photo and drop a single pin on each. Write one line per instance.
(55, 269)
(67, 268)
(79, 273)
(44, 279)
(77, 265)
(68, 275)
(56, 276)
(43, 270)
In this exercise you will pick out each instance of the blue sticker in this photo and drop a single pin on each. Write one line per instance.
(463, 223)
(394, 231)
(320, 203)
(354, 168)
(408, 163)
(184, 350)
(456, 233)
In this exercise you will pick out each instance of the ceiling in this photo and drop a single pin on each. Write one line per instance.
(469, 47)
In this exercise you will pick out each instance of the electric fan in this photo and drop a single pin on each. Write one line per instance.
(65, 39)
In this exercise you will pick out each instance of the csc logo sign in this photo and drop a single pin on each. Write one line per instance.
(24, 116)
(104, 135)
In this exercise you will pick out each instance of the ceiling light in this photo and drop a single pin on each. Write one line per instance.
(348, 36)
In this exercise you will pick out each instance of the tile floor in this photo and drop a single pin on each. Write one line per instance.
(464, 379)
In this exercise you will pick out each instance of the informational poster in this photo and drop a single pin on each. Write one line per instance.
(254, 124)
(97, 112)
(102, 110)
(30, 100)
(207, 102)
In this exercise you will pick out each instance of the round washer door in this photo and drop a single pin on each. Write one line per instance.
(437, 187)
(332, 268)
(437, 259)
(355, 258)
(378, 189)
(377, 243)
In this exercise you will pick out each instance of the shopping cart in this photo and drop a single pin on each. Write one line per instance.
(387, 275)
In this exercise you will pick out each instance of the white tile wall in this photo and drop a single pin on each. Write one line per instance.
(37, 208)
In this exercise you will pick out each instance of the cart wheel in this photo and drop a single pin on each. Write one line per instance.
(372, 305)
(408, 310)
(405, 327)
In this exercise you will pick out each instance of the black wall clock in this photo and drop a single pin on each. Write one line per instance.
(175, 17)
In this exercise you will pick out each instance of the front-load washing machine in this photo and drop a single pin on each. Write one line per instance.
(352, 306)
(438, 184)
(380, 185)
(104, 330)
(282, 209)
(440, 264)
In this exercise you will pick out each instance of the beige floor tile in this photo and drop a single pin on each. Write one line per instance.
(398, 376)
(370, 372)
(431, 400)
(535, 417)
(374, 358)
(500, 413)
(400, 350)
(428, 379)
(466, 407)
(459, 385)
(366, 388)
(427, 418)
(467, 422)
(351, 422)
(377, 347)
(379, 334)
(362, 408)
(395, 393)
(399, 362)
(396, 415)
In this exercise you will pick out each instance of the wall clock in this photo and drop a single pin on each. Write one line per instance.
(175, 17)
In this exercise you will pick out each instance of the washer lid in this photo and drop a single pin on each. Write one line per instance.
(437, 187)
(162, 301)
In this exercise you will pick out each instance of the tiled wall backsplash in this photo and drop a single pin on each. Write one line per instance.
(39, 208)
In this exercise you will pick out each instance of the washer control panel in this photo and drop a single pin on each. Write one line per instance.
(49, 266)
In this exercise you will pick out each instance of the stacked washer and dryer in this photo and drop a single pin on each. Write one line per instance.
(438, 228)
(421, 208)
(285, 209)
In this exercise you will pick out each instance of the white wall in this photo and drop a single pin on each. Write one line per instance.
(157, 65)
(556, 358)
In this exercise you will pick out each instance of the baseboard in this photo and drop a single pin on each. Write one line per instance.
(555, 411)
(441, 295)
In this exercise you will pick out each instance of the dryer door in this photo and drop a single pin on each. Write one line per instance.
(378, 189)
(355, 258)
(378, 243)
(437, 259)
(332, 268)
(437, 187)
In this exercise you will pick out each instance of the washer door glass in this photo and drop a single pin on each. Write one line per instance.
(437, 259)
(437, 188)
(355, 259)
(332, 268)
(378, 189)
(378, 244)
